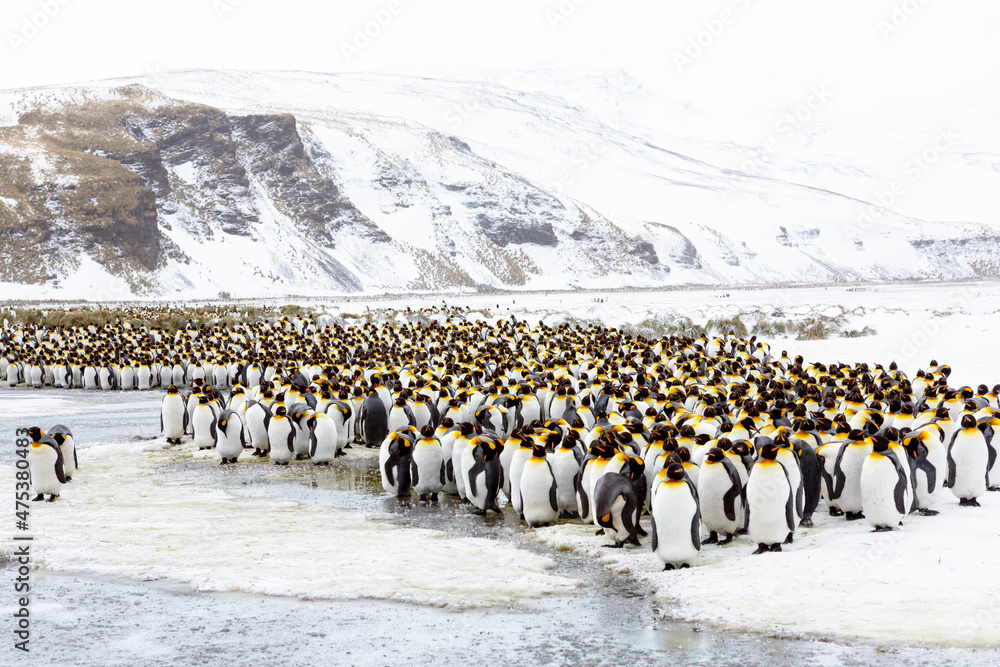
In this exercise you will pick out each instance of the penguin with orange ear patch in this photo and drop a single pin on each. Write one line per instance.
(45, 465)
(615, 507)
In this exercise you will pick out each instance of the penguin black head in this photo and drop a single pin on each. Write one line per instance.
(280, 411)
(968, 421)
(880, 444)
(675, 471)
(769, 451)
(171, 389)
(538, 451)
(203, 399)
(715, 455)
(35, 433)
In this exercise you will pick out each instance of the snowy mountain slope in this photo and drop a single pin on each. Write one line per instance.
(298, 183)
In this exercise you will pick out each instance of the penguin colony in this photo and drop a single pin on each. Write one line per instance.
(709, 435)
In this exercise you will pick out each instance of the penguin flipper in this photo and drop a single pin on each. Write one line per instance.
(414, 473)
(444, 478)
(312, 444)
(478, 467)
(553, 501)
(655, 539)
(696, 529)
(76, 462)
(390, 463)
(950, 480)
(59, 462)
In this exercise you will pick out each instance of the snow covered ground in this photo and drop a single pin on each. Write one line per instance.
(927, 583)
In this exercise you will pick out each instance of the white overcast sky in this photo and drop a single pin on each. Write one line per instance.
(940, 48)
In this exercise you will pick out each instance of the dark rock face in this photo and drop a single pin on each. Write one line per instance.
(273, 148)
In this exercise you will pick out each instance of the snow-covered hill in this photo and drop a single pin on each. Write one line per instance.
(196, 183)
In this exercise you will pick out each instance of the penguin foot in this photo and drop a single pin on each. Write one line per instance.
(854, 516)
(280, 463)
(568, 515)
(434, 497)
(599, 532)
(300, 457)
(340, 453)
(51, 499)
(726, 540)
(761, 549)
(927, 512)
(224, 462)
(479, 512)
(498, 510)
(641, 531)
(634, 541)
(713, 538)
(881, 529)
(321, 463)
(806, 521)
(667, 567)
(68, 479)
(247, 447)
(993, 488)
(775, 547)
(348, 446)
(40, 496)
(743, 531)
(684, 566)
(969, 502)
(616, 545)
(789, 539)
(836, 511)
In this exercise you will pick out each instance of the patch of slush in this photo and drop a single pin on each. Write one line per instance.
(125, 514)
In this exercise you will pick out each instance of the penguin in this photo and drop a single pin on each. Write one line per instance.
(324, 438)
(203, 424)
(300, 413)
(847, 474)
(395, 463)
(968, 463)
(258, 416)
(428, 472)
(566, 462)
(173, 416)
(517, 461)
(281, 436)
(537, 488)
(45, 466)
(230, 438)
(461, 459)
(484, 476)
(676, 519)
(615, 505)
(67, 445)
(722, 500)
(447, 433)
(929, 458)
(884, 487)
(400, 416)
(771, 500)
(374, 421)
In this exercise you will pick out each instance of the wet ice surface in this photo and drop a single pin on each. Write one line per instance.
(90, 605)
